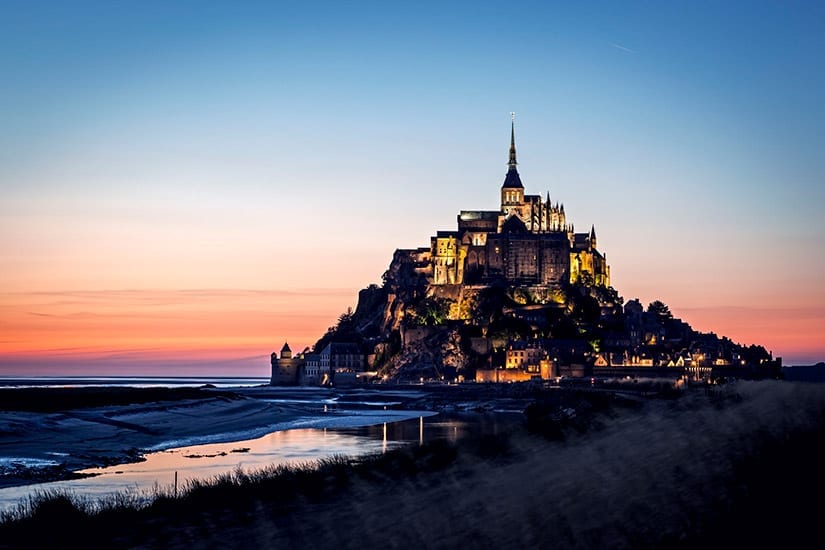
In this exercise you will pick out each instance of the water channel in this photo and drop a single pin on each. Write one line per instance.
(286, 447)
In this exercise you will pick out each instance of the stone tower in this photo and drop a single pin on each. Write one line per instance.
(512, 190)
(286, 369)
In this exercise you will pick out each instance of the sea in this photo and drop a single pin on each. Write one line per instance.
(365, 424)
(134, 381)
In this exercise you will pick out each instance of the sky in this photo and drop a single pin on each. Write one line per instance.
(186, 185)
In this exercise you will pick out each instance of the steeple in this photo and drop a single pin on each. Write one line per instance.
(512, 180)
(512, 163)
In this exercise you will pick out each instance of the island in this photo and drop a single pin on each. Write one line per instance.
(511, 295)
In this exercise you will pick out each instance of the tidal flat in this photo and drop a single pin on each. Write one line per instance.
(49, 434)
(734, 464)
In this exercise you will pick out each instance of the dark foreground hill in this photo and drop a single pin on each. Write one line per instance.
(736, 465)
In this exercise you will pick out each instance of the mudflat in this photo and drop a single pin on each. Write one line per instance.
(47, 434)
(83, 436)
(732, 466)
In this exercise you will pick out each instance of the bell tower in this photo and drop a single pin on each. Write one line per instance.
(512, 190)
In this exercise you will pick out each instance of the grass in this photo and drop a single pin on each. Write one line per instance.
(44, 518)
(726, 466)
(47, 518)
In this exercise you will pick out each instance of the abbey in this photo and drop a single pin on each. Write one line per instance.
(512, 294)
(526, 242)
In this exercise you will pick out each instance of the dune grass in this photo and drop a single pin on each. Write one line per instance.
(44, 519)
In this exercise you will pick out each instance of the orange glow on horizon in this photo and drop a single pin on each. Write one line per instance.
(795, 334)
(132, 327)
(232, 332)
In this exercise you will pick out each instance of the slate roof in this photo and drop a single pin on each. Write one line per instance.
(512, 179)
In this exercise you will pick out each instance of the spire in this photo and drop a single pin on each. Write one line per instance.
(512, 163)
(592, 232)
(512, 180)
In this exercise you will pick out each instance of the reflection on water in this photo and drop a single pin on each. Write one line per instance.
(296, 446)
(204, 461)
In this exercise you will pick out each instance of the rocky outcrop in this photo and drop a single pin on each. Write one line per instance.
(369, 316)
(416, 330)
(437, 354)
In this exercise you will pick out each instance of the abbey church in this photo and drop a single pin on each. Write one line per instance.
(492, 301)
(526, 242)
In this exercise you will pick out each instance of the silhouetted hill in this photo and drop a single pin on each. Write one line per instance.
(805, 373)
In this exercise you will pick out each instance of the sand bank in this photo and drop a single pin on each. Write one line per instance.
(48, 446)
(42, 446)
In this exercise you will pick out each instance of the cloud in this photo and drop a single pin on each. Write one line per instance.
(623, 48)
(166, 296)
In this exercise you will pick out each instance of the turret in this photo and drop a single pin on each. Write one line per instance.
(286, 353)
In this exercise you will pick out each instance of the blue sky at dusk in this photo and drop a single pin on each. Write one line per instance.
(201, 181)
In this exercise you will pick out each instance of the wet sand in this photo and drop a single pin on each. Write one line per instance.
(85, 437)
(49, 434)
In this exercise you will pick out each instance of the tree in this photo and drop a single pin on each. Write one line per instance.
(585, 278)
(509, 328)
(584, 308)
(346, 318)
(343, 331)
(660, 310)
(431, 311)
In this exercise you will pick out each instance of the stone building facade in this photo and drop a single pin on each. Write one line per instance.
(316, 368)
(527, 241)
